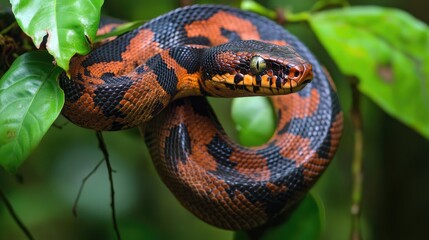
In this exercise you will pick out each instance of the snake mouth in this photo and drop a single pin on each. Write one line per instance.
(259, 85)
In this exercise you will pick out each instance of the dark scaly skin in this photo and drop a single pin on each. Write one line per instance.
(128, 81)
(222, 183)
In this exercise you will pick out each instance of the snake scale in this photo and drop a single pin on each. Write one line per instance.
(159, 74)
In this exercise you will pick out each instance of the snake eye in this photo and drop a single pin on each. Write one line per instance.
(257, 64)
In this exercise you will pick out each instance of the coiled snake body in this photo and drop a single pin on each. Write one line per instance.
(158, 75)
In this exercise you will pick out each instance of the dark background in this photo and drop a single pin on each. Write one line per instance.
(396, 167)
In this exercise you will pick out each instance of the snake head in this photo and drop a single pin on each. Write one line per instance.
(246, 68)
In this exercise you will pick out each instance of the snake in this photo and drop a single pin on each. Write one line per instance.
(158, 76)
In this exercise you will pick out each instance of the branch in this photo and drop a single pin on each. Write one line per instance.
(256, 234)
(15, 217)
(103, 148)
(357, 163)
(183, 3)
(74, 210)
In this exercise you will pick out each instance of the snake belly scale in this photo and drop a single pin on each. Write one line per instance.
(158, 76)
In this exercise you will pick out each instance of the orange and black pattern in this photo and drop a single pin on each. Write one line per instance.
(158, 75)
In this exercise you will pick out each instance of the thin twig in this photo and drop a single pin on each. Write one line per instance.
(74, 210)
(103, 148)
(15, 217)
(8, 28)
(357, 163)
(60, 126)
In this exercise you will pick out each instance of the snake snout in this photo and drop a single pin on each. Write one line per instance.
(301, 74)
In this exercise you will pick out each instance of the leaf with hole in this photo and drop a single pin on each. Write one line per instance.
(388, 51)
(66, 24)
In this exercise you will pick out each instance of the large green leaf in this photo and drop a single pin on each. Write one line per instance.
(254, 119)
(30, 100)
(306, 222)
(388, 51)
(66, 23)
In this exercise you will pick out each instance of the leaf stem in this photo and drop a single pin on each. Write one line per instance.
(288, 16)
(15, 217)
(102, 146)
(319, 5)
(8, 28)
(120, 29)
(285, 16)
(297, 17)
(357, 163)
(250, 5)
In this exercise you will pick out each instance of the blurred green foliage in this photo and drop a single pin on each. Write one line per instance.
(254, 119)
(395, 167)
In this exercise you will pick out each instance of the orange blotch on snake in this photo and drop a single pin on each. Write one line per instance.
(212, 28)
(297, 107)
(251, 165)
(278, 42)
(85, 112)
(140, 49)
(275, 189)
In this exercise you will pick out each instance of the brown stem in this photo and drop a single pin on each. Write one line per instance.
(15, 217)
(183, 3)
(281, 16)
(8, 28)
(256, 234)
(357, 163)
(103, 148)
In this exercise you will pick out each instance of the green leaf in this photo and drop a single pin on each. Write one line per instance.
(254, 118)
(306, 222)
(67, 23)
(388, 51)
(30, 101)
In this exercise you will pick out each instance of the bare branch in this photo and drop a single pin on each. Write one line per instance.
(74, 210)
(356, 232)
(102, 146)
(15, 217)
